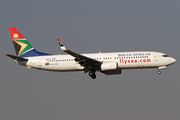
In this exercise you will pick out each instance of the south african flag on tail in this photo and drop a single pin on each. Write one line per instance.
(22, 47)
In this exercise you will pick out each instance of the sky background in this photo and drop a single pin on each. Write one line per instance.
(87, 26)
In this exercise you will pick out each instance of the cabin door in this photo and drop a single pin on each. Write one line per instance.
(155, 57)
(39, 63)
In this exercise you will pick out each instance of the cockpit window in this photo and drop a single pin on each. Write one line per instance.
(165, 55)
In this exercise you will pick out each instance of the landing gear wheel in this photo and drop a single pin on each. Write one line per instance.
(92, 74)
(93, 77)
(159, 72)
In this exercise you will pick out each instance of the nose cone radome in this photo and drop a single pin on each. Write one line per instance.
(172, 60)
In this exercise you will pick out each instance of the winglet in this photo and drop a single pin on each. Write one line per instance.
(61, 45)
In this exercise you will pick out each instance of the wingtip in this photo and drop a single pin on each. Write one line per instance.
(60, 43)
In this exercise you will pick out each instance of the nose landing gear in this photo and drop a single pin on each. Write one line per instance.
(159, 72)
(159, 68)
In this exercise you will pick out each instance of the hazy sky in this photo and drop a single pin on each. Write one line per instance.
(85, 27)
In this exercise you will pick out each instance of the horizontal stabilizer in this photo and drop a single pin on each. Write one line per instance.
(16, 58)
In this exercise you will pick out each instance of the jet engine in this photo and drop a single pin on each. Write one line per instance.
(109, 66)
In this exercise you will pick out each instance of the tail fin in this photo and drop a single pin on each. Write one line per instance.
(22, 47)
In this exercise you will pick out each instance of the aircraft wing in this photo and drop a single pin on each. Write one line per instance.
(82, 60)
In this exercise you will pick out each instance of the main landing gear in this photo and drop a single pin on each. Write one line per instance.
(92, 74)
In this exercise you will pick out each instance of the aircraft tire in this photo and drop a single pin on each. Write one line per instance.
(93, 77)
(92, 74)
(159, 72)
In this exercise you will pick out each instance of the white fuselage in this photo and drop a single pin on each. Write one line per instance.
(124, 60)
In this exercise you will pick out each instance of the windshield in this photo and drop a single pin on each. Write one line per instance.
(165, 55)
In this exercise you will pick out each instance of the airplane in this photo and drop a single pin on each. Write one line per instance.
(107, 63)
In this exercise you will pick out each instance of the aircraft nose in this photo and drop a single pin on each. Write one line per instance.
(172, 60)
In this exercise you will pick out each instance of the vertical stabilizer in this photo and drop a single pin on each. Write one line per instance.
(22, 47)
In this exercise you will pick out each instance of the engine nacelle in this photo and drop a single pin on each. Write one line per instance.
(112, 72)
(109, 66)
